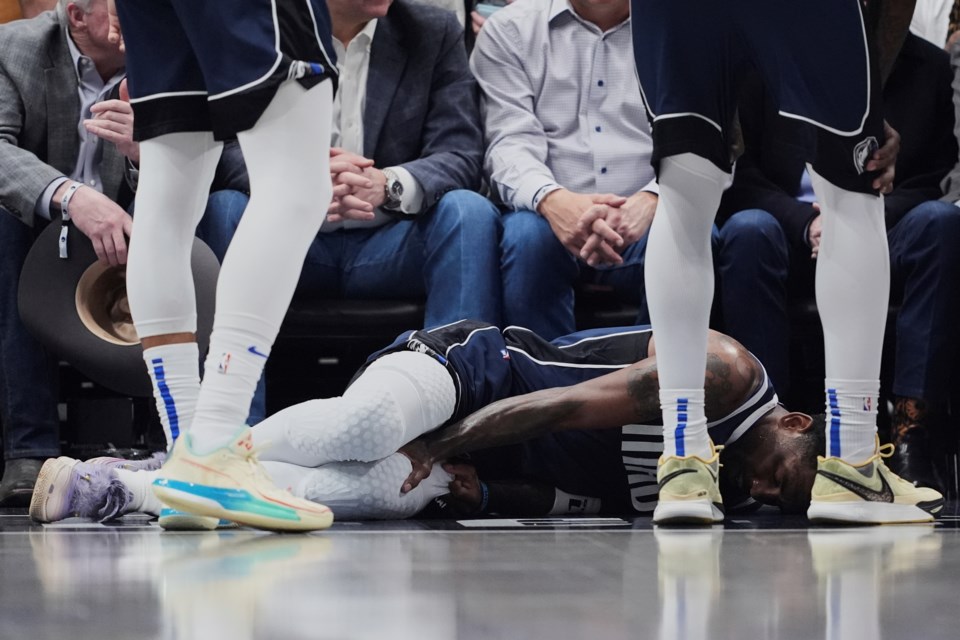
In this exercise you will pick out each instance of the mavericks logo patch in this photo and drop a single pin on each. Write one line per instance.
(862, 153)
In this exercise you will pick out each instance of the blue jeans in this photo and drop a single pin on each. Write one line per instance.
(28, 373)
(539, 276)
(756, 261)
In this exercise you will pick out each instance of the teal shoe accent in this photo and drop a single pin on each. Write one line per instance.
(167, 512)
(230, 499)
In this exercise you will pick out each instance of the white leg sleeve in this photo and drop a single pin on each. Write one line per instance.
(288, 157)
(175, 175)
(679, 288)
(853, 292)
(399, 397)
(362, 490)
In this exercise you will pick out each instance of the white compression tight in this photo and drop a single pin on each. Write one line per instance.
(853, 291)
(399, 397)
(176, 171)
(679, 288)
(361, 490)
(288, 158)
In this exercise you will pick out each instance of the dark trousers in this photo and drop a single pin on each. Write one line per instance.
(28, 374)
(759, 270)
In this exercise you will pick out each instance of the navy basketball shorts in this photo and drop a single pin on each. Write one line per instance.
(215, 65)
(487, 365)
(815, 57)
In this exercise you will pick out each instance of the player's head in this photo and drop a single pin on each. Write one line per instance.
(775, 462)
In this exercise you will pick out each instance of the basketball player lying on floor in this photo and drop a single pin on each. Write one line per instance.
(584, 408)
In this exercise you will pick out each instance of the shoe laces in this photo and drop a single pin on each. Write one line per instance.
(886, 450)
(253, 459)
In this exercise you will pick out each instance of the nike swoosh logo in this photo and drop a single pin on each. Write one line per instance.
(254, 351)
(670, 476)
(885, 494)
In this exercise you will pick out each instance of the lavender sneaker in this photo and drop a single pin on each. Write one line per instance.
(147, 464)
(66, 488)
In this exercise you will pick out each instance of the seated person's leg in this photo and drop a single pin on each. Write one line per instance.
(28, 383)
(753, 264)
(221, 218)
(538, 276)
(462, 259)
(926, 269)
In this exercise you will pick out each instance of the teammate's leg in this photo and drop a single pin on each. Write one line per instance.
(853, 291)
(853, 270)
(687, 92)
(212, 475)
(176, 171)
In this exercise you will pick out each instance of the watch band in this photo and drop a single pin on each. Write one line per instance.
(393, 190)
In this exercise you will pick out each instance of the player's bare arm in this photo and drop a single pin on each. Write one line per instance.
(626, 396)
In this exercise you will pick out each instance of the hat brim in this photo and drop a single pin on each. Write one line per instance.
(48, 306)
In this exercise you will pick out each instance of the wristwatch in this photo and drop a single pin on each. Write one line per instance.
(392, 190)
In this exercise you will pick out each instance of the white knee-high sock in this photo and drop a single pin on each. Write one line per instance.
(175, 373)
(176, 171)
(361, 490)
(399, 397)
(853, 292)
(679, 288)
(287, 155)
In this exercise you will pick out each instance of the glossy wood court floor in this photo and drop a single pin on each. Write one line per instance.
(759, 577)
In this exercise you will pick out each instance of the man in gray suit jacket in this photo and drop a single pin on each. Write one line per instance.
(407, 117)
(57, 72)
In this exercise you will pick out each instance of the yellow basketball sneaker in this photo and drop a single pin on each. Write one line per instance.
(868, 493)
(689, 490)
(230, 483)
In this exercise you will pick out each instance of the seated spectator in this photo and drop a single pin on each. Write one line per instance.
(951, 183)
(771, 240)
(566, 134)
(406, 116)
(50, 157)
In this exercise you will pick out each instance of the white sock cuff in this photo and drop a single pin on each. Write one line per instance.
(669, 397)
(185, 356)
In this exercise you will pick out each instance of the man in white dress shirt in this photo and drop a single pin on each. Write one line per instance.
(567, 144)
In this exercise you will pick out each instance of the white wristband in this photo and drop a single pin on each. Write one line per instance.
(565, 503)
(65, 217)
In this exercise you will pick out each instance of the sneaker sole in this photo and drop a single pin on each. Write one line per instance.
(45, 499)
(178, 521)
(206, 506)
(862, 512)
(687, 512)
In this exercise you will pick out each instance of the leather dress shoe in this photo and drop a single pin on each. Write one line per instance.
(912, 460)
(19, 476)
